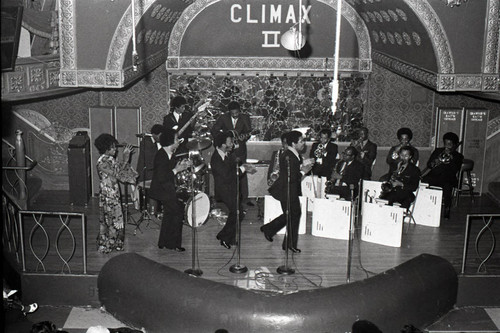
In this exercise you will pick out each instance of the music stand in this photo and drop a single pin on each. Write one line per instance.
(238, 268)
(145, 215)
(193, 271)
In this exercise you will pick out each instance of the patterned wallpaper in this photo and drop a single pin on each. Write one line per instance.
(389, 101)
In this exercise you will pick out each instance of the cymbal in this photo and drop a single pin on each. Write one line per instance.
(198, 144)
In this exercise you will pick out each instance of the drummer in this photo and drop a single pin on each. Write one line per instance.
(165, 169)
(227, 170)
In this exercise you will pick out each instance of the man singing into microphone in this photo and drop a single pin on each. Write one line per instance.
(287, 189)
(227, 171)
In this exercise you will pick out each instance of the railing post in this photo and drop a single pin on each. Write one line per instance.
(21, 162)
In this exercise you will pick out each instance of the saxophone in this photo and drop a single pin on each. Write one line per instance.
(320, 150)
(330, 184)
(276, 168)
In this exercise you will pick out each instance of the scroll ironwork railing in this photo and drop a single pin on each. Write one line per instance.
(14, 167)
(486, 229)
(44, 241)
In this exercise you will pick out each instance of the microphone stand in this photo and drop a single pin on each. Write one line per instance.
(238, 268)
(193, 271)
(351, 233)
(144, 213)
(284, 269)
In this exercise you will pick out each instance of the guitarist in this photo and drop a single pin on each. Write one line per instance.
(177, 118)
(240, 125)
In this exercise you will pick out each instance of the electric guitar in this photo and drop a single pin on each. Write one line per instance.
(202, 106)
(244, 136)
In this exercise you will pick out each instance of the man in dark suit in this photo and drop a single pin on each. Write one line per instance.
(324, 153)
(287, 189)
(443, 166)
(367, 151)
(163, 189)
(227, 171)
(347, 174)
(404, 180)
(404, 135)
(240, 125)
(177, 120)
(150, 144)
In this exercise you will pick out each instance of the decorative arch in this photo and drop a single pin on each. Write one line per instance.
(123, 35)
(362, 64)
(440, 42)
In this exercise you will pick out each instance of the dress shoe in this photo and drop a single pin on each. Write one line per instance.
(226, 245)
(179, 249)
(293, 249)
(251, 204)
(269, 238)
(161, 247)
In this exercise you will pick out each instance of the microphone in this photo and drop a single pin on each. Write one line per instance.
(141, 135)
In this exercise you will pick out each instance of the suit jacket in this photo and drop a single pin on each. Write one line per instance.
(243, 126)
(225, 177)
(393, 163)
(446, 172)
(328, 160)
(352, 173)
(410, 177)
(163, 181)
(370, 155)
(279, 189)
(147, 153)
(170, 122)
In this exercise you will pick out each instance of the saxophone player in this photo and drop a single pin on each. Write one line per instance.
(404, 135)
(442, 168)
(403, 181)
(324, 154)
(348, 171)
(367, 151)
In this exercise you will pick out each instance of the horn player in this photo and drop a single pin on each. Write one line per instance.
(443, 171)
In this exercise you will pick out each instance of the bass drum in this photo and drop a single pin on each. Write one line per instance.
(197, 210)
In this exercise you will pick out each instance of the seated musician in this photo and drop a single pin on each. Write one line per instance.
(179, 119)
(404, 136)
(404, 180)
(145, 161)
(443, 167)
(273, 171)
(346, 175)
(324, 153)
(367, 151)
(227, 171)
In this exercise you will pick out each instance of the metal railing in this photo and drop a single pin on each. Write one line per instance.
(488, 220)
(15, 168)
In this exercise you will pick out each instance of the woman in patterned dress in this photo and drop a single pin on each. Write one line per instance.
(111, 223)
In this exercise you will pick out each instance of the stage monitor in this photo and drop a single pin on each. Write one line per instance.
(11, 30)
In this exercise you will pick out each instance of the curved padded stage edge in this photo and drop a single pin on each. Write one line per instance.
(144, 293)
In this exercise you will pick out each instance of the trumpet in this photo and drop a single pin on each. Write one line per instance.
(443, 158)
(320, 150)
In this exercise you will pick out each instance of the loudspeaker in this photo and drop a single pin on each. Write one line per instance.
(79, 169)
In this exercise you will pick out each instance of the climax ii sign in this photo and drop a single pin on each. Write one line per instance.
(269, 13)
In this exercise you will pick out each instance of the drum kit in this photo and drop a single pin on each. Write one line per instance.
(190, 184)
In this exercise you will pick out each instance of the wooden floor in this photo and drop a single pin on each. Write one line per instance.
(322, 263)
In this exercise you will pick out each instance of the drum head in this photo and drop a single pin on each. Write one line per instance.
(197, 210)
